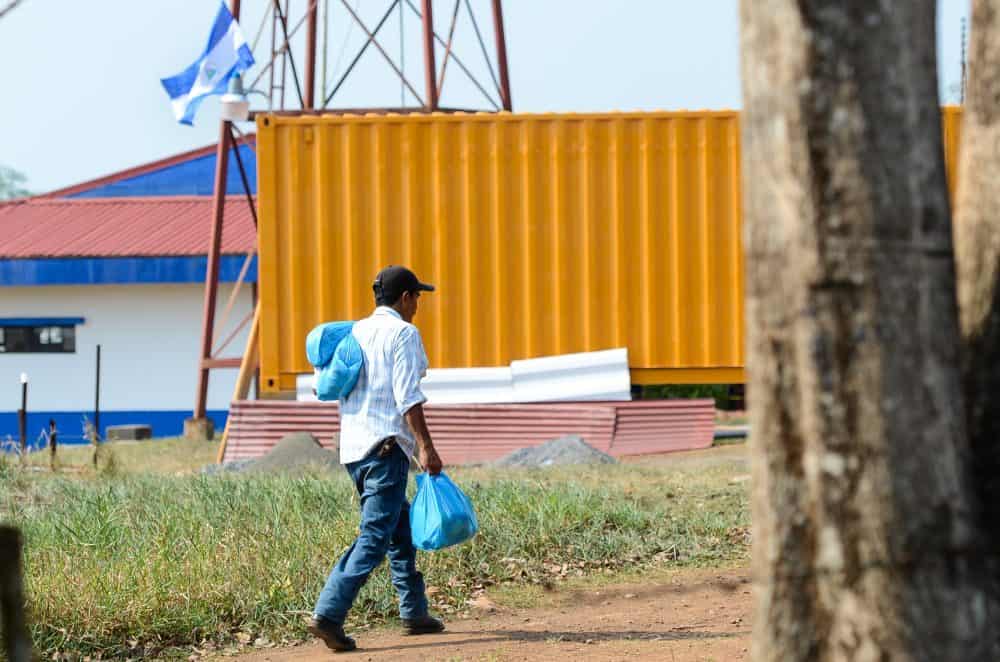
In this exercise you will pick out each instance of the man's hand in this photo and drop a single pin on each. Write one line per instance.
(429, 458)
(426, 454)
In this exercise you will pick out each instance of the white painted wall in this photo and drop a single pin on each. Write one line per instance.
(149, 336)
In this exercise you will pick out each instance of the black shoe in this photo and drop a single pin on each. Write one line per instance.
(424, 625)
(332, 634)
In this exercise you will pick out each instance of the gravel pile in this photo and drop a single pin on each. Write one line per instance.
(294, 453)
(568, 450)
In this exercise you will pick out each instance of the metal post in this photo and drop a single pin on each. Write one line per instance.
(961, 91)
(430, 69)
(53, 433)
(502, 56)
(22, 414)
(402, 57)
(273, 70)
(248, 367)
(212, 268)
(310, 96)
(285, 52)
(326, 42)
(255, 298)
(97, 394)
(214, 248)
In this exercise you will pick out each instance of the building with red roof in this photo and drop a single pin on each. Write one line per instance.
(119, 262)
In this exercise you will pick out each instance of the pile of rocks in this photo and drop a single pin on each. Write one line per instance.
(568, 450)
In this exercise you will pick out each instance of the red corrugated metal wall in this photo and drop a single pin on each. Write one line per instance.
(479, 433)
(651, 427)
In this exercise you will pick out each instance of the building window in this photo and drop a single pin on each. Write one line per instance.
(38, 336)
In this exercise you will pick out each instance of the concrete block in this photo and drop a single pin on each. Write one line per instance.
(128, 432)
(199, 429)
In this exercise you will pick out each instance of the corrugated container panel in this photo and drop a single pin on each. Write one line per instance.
(545, 234)
(952, 134)
(479, 433)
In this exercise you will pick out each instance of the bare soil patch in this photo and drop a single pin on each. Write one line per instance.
(686, 616)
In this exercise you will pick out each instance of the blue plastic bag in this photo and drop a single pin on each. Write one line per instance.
(322, 341)
(338, 358)
(441, 515)
(337, 378)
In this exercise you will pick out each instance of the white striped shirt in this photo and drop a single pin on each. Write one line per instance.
(388, 386)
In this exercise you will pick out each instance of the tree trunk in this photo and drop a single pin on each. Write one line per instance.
(16, 642)
(977, 245)
(861, 499)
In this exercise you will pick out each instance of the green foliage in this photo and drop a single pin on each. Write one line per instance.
(11, 184)
(719, 392)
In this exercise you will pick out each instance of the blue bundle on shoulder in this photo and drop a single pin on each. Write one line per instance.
(441, 514)
(338, 358)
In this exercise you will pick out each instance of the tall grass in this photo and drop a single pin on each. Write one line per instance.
(127, 565)
(171, 455)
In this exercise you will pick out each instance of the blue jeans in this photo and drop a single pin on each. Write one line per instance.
(385, 528)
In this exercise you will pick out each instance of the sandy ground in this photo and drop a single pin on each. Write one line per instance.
(708, 457)
(687, 616)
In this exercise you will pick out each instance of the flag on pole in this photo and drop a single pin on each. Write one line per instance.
(226, 54)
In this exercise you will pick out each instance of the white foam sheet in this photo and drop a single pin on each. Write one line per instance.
(468, 385)
(304, 388)
(589, 376)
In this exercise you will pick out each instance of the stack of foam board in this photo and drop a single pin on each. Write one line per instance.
(590, 376)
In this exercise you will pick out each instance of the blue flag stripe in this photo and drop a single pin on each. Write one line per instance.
(178, 86)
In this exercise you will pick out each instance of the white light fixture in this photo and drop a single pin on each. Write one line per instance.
(235, 107)
(24, 378)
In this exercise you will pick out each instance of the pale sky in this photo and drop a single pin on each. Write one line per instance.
(82, 96)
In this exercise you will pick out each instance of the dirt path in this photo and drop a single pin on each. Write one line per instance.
(706, 457)
(688, 616)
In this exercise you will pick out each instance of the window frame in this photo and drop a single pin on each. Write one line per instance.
(36, 335)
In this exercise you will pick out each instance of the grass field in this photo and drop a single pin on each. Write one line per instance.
(135, 559)
(162, 456)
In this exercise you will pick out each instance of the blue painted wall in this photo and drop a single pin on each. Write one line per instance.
(193, 177)
(120, 270)
(70, 423)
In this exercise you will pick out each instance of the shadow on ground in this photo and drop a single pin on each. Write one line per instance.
(551, 636)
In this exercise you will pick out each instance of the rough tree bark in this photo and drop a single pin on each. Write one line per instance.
(977, 247)
(17, 645)
(861, 500)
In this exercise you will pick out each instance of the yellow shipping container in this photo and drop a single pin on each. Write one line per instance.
(952, 132)
(545, 234)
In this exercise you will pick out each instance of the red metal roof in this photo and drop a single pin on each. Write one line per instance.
(120, 227)
(480, 433)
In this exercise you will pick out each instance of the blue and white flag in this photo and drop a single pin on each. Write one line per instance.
(227, 54)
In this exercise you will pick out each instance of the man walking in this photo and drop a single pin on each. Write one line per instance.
(381, 426)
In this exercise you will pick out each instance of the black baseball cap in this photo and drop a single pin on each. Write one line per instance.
(393, 281)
